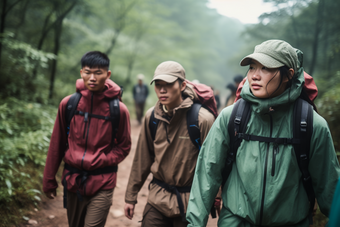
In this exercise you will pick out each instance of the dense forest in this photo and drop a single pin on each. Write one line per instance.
(41, 43)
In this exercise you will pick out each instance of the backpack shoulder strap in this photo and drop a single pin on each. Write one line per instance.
(303, 130)
(71, 108)
(115, 117)
(192, 125)
(237, 124)
(153, 124)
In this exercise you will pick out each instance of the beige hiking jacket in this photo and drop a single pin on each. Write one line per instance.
(175, 155)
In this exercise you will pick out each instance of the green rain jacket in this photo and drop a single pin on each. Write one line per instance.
(262, 189)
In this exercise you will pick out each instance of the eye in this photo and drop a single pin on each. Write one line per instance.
(251, 67)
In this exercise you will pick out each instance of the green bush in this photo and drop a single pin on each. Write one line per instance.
(16, 75)
(329, 108)
(25, 129)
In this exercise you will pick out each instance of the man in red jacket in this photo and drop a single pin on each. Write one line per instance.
(90, 155)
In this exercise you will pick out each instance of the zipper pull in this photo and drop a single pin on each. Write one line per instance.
(275, 151)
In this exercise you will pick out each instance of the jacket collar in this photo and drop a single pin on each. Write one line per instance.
(188, 97)
(111, 89)
(286, 98)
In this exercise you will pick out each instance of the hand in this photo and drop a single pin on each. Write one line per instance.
(315, 208)
(129, 210)
(51, 194)
(217, 205)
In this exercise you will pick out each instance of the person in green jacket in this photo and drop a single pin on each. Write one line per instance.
(264, 187)
(334, 217)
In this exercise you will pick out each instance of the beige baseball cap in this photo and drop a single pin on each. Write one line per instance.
(140, 76)
(273, 54)
(169, 71)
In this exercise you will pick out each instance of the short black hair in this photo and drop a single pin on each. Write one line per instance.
(95, 59)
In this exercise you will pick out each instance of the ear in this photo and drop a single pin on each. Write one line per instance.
(184, 85)
(291, 71)
(291, 74)
(81, 73)
(108, 74)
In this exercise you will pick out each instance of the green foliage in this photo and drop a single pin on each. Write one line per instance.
(16, 79)
(25, 129)
(329, 107)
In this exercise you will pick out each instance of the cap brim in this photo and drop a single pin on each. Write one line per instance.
(166, 78)
(264, 59)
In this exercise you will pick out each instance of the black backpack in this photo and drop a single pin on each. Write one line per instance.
(302, 133)
(192, 125)
(71, 110)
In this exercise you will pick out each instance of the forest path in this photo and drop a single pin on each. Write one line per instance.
(52, 213)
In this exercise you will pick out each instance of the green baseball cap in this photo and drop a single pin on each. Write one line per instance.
(273, 54)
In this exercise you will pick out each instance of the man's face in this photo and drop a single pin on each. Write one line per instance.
(94, 78)
(169, 94)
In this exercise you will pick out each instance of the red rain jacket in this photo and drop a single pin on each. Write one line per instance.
(89, 142)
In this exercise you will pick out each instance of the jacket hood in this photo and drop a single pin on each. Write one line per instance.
(112, 89)
(287, 97)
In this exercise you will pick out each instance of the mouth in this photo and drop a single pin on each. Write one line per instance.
(256, 86)
(92, 85)
(163, 98)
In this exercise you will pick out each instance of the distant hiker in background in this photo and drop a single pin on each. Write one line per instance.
(231, 98)
(217, 97)
(334, 217)
(271, 151)
(166, 149)
(92, 135)
(233, 88)
(237, 80)
(140, 93)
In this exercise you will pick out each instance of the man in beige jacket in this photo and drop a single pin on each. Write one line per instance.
(171, 157)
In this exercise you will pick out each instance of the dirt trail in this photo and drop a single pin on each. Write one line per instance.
(116, 216)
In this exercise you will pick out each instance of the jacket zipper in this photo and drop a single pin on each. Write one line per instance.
(265, 172)
(88, 127)
(275, 152)
(86, 118)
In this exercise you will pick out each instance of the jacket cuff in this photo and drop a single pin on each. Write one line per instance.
(130, 202)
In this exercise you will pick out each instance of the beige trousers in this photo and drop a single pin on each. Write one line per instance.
(91, 212)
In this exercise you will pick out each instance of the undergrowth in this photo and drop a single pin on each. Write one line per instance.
(25, 129)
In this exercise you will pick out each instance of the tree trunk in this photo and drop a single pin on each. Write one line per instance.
(22, 17)
(2, 25)
(46, 28)
(318, 28)
(120, 18)
(44, 33)
(129, 69)
(57, 35)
